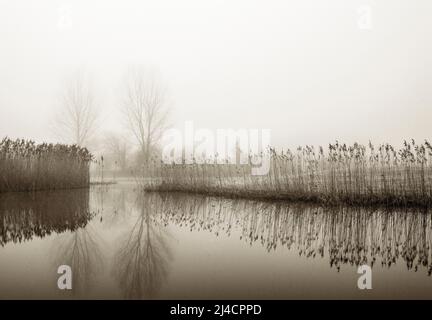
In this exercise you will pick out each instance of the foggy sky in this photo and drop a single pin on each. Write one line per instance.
(302, 68)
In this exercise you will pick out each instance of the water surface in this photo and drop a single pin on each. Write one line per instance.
(122, 243)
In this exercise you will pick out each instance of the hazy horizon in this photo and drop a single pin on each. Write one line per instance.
(303, 69)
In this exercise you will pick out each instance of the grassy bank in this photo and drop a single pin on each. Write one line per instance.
(26, 166)
(356, 174)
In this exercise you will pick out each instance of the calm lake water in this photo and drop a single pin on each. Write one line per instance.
(122, 243)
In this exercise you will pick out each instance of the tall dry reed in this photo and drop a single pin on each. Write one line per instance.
(27, 166)
(353, 174)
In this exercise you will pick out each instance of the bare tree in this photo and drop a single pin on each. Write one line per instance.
(76, 121)
(145, 108)
(116, 147)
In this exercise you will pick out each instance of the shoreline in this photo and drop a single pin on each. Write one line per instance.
(321, 200)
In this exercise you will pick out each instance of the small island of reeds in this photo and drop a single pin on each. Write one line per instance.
(27, 166)
(350, 174)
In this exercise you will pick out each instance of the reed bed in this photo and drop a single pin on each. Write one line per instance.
(352, 174)
(27, 166)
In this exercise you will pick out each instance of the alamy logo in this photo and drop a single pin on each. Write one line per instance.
(365, 280)
(364, 21)
(221, 146)
(64, 21)
(64, 282)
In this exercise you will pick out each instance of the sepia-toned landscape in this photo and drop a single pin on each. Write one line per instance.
(215, 150)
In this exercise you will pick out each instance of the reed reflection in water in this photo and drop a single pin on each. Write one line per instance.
(345, 235)
(38, 214)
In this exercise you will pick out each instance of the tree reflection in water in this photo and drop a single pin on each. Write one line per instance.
(141, 262)
(24, 216)
(347, 235)
(81, 250)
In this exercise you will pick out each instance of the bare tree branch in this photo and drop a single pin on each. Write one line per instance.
(146, 108)
(76, 121)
